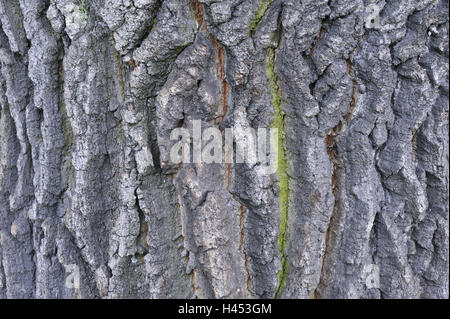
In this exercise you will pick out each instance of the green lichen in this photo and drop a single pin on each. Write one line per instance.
(82, 10)
(119, 67)
(67, 130)
(65, 121)
(121, 81)
(120, 135)
(67, 138)
(153, 23)
(263, 6)
(282, 169)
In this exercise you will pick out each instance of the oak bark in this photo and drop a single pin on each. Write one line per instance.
(90, 91)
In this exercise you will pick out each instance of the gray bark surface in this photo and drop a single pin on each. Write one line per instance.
(91, 89)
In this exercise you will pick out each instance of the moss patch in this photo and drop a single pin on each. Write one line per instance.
(282, 169)
(263, 6)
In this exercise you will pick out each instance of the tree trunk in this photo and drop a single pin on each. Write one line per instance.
(93, 206)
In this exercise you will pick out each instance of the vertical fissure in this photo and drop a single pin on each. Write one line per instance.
(282, 170)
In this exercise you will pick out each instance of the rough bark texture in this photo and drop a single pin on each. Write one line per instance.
(91, 89)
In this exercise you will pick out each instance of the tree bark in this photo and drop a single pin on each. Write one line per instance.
(92, 207)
